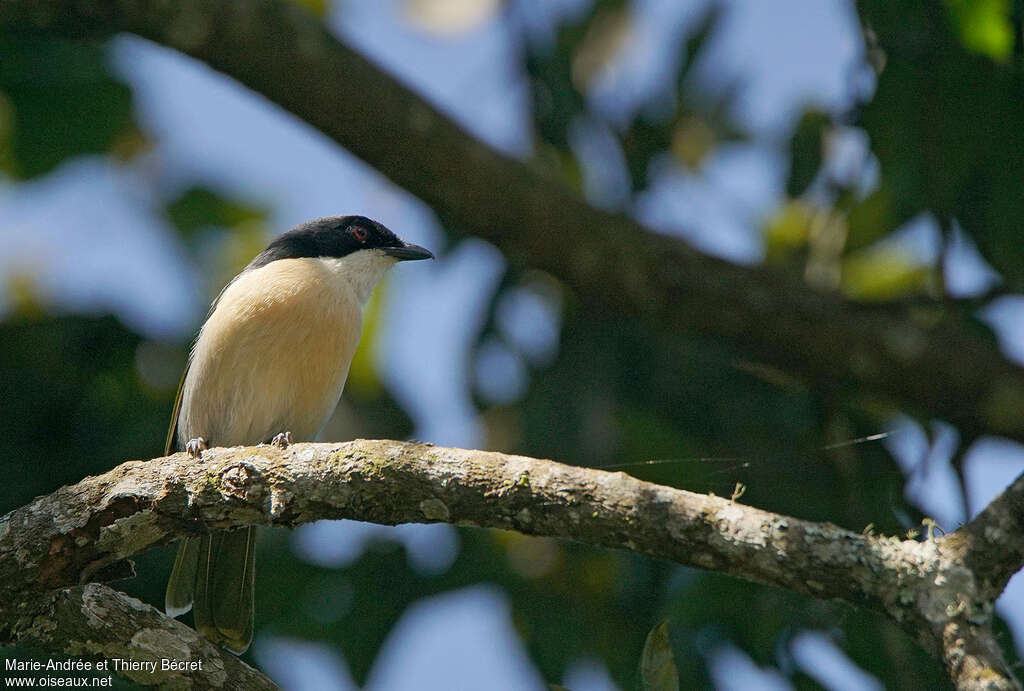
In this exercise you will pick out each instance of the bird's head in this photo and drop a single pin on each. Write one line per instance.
(338, 237)
(353, 249)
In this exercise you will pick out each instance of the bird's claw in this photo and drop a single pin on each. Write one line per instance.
(282, 440)
(196, 447)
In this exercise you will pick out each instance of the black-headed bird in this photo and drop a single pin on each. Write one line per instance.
(269, 365)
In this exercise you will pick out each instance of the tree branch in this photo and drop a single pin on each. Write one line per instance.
(94, 620)
(280, 51)
(86, 531)
(992, 544)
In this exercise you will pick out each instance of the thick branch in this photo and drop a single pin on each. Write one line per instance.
(94, 621)
(82, 530)
(85, 531)
(278, 50)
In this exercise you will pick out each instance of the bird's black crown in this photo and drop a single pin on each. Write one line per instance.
(332, 236)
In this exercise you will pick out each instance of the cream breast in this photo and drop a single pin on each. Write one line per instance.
(274, 354)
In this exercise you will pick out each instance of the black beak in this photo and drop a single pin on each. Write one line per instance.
(408, 252)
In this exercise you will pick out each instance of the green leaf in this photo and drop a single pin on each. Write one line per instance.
(883, 273)
(657, 663)
(983, 26)
(788, 229)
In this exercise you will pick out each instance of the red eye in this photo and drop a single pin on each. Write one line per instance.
(359, 234)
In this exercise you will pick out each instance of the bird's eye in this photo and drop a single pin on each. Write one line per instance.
(359, 233)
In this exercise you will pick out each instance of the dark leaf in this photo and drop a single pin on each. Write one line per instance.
(657, 663)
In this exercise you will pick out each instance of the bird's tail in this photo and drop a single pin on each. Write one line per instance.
(213, 574)
(182, 583)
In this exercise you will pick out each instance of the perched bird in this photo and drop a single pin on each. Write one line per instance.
(269, 366)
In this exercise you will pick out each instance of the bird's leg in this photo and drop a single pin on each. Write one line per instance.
(196, 447)
(282, 440)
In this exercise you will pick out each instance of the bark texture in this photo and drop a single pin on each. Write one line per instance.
(87, 531)
(96, 621)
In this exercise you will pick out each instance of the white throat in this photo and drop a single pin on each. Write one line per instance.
(362, 270)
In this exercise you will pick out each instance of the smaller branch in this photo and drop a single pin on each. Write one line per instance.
(94, 621)
(992, 543)
(974, 659)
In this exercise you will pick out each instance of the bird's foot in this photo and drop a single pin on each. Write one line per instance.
(930, 526)
(196, 447)
(282, 440)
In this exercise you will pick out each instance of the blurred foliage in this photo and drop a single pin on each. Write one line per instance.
(945, 125)
(317, 7)
(685, 122)
(74, 403)
(200, 208)
(807, 151)
(223, 234)
(83, 393)
(362, 373)
(58, 99)
(883, 274)
(983, 26)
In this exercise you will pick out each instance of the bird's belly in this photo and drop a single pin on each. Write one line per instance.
(269, 362)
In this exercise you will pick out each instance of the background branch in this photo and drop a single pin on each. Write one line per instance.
(86, 531)
(282, 52)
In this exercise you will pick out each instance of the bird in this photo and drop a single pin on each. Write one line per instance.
(269, 365)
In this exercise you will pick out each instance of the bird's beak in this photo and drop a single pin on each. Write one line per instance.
(408, 252)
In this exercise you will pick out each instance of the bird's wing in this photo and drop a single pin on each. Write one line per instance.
(172, 431)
